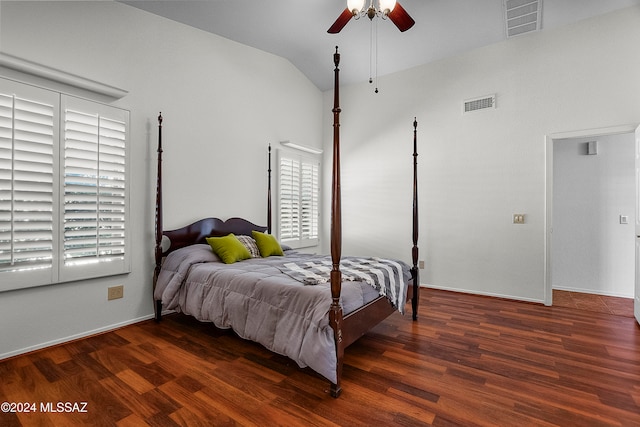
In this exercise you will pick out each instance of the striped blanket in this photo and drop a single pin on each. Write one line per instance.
(390, 278)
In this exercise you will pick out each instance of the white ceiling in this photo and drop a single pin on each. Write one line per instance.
(297, 30)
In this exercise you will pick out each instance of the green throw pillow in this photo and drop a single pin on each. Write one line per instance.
(228, 248)
(267, 244)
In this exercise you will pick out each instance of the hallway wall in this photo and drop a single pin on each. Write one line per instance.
(591, 250)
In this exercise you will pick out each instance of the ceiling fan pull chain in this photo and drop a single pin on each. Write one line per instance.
(371, 53)
(376, 71)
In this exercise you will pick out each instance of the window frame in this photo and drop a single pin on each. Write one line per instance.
(12, 277)
(300, 240)
(15, 277)
(107, 266)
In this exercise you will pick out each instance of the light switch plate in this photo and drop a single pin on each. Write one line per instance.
(518, 218)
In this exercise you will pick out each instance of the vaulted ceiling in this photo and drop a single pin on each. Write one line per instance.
(297, 30)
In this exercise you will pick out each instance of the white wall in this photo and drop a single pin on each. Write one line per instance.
(222, 104)
(591, 250)
(477, 170)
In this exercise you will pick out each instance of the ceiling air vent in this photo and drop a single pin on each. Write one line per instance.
(522, 16)
(476, 104)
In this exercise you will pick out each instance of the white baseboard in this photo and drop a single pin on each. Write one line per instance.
(74, 337)
(591, 291)
(486, 294)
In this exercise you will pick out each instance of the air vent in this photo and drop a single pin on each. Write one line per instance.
(522, 16)
(482, 103)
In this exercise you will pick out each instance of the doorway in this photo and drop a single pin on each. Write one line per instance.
(591, 213)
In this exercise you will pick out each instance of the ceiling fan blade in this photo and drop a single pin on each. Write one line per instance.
(401, 18)
(342, 20)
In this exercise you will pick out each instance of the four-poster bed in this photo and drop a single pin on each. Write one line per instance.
(261, 297)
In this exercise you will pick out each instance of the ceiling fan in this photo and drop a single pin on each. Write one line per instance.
(386, 9)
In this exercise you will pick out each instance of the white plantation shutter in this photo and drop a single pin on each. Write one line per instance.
(299, 195)
(94, 188)
(62, 199)
(309, 186)
(28, 138)
(289, 199)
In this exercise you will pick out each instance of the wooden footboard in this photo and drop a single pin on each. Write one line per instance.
(360, 321)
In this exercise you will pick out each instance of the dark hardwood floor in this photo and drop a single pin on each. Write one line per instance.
(592, 302)
(468, 361)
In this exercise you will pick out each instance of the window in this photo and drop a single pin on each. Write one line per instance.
(63, 188)
(95, 193)
(299, 194)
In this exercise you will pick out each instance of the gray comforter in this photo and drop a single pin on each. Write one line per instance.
(259, 302)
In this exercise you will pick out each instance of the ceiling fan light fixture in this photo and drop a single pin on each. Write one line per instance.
(386, 6)
(377, 8)
(355, 6)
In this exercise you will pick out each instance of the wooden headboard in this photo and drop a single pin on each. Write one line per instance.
(199, 230)
(208, 227)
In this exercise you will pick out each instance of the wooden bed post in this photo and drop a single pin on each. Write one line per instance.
(158, 248)
(269, 193)
(415, 274)
(335, 312)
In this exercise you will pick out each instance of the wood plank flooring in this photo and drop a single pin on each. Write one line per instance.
(592, 302)
(467, 361)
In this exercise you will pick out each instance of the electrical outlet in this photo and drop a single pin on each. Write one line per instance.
(115, 292)
(421, 265)
(518, 218)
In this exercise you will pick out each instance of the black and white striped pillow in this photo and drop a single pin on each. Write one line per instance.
(250, 244)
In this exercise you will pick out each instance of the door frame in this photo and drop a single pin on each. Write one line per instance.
(549, 141)
(636, 295)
